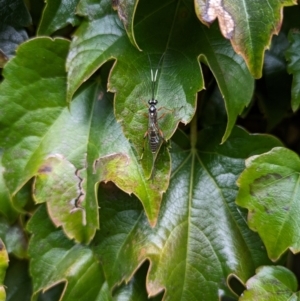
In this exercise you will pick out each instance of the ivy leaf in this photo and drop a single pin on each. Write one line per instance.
(3, 267)
(292, 55)
(241, 22)
(269, 190)
(126, 10)
(6, 207)
(56, 15)
(14, 13)
(273, 283)
(59, 183)
(59, 260)
(100, 38)
(198, 223)
(14, 238)
(18, 281)
(61, 257)
(89, 155)
(276, 83)
(14, 17)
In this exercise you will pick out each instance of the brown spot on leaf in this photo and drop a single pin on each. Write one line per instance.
(45, 169)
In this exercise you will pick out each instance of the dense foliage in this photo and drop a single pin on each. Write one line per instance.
(87, 211)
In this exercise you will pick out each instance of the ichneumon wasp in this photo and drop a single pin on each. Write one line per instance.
(154, 133)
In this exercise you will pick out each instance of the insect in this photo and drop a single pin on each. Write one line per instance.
(154, 134)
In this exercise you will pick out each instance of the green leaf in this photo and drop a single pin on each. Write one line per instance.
(14, 13)
(14, 238)
(269, 189)
(201, 236)
(88, 156)
(241, 22)
(3, 266)
(57, 14)
(59, 184)
(6, 207)
(274, 283)
(292, 55)
(18, 281)
(13, 17)
(101, 38)
(31, 96)
(40, 118)
(126, 10)
(276, 83)
(58, 260)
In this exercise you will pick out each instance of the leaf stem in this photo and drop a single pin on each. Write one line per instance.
(194, 131)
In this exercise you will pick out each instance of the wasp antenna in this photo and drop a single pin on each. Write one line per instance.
(155, 76)
(152, 78)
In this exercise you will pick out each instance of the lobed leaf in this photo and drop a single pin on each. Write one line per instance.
(55, 259)
(56, 15)
(100, 38)
(274, 283)
(249, 25)
(126, 10)
(201, 236)
(269, 190)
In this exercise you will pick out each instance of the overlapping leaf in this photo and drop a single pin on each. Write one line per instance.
(182, 39)
(269, 189)
(14, 238)
(249, 24)
(271, 283)
(86, 138)
(3, 267)
(57, 14)
(126, 10)
(6, 207)
(17, 281)
(274, 89)
(13, 17)
(293, 57)
(201, 236)
(56, 259)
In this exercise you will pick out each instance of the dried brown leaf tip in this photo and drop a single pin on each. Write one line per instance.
(212, 9)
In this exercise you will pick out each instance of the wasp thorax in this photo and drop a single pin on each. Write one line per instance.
(152, 109)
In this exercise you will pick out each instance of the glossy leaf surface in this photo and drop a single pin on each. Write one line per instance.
(200, 237)
(58, 260)
(14, 238)
(274, 89)
(269, 189)
(58, 14)
(101, 38)
(17, 281)
(13, 18)
(248, 24)
(83, 144)
(293, 58)
(271, 283)
(6, 207)
(3, 267)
